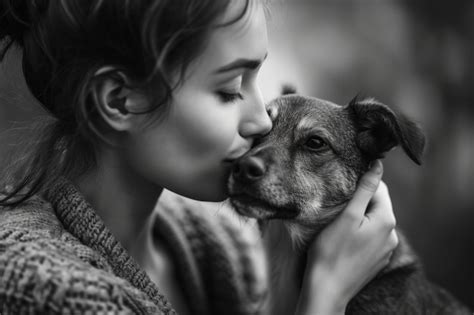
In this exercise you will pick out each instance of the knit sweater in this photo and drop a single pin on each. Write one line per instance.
(58, 257)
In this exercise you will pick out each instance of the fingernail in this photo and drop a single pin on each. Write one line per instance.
(377, 166)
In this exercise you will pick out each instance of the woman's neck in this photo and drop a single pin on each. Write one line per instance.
(121, 197)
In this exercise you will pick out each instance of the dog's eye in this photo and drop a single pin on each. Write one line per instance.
(316, 143)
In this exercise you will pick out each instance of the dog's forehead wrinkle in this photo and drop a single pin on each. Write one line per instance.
(283, 129)
(325, 116)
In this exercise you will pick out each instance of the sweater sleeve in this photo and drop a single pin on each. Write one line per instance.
(37, 278)
(227, 250)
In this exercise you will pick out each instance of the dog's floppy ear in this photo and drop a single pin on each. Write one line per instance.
(381, 128)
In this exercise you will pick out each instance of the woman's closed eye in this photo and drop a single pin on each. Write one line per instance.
(228, 96)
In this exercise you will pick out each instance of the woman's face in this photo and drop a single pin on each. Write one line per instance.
(215, 114)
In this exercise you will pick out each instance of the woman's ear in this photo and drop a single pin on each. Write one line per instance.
(115, 101)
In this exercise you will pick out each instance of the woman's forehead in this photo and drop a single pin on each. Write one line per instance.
(245, 39)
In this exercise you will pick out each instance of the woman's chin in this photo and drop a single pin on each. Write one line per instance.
(209, 186)
(208, 193)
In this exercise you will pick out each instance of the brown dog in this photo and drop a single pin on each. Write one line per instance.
(305, 171)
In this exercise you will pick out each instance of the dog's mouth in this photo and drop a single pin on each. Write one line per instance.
(258, 208)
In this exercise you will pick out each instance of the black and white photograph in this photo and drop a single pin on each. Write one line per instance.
(237, 157)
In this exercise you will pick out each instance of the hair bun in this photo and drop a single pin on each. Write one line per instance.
(15, 19)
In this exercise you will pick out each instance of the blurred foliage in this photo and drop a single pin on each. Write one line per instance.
(416, 55)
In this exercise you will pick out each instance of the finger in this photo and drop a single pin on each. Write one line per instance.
(366, 188)
(380, 207)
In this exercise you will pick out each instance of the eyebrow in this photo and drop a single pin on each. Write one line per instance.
(251, 64)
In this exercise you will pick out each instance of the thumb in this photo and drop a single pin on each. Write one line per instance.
(366, 189)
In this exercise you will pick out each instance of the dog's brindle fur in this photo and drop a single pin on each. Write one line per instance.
(304, 172)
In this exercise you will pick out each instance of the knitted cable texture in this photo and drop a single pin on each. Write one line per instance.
(227, 254)
(58, 257)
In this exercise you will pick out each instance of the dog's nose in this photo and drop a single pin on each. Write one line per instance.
(249, 168)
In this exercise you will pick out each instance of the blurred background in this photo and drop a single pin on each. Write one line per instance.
(415, 55)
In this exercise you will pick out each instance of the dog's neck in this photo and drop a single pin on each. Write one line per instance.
(286, 266)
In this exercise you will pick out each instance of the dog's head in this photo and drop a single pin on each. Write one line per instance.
(306, 169)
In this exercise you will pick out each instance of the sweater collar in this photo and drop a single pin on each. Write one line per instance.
(80, 219)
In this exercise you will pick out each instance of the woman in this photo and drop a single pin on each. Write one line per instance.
(146, 95)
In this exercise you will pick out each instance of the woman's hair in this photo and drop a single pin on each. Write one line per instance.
(65, 43)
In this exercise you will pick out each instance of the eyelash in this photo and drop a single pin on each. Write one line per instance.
(230, 97)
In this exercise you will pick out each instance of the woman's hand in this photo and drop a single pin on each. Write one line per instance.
(351, 250)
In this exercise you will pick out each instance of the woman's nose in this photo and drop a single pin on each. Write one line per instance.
(255, 121)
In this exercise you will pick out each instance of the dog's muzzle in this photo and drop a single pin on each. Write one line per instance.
(248, 169)
(247, 194)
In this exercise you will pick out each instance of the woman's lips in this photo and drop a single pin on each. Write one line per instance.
(237, 154)
(228, 161)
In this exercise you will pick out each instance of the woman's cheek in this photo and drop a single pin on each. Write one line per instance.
(207, 125)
